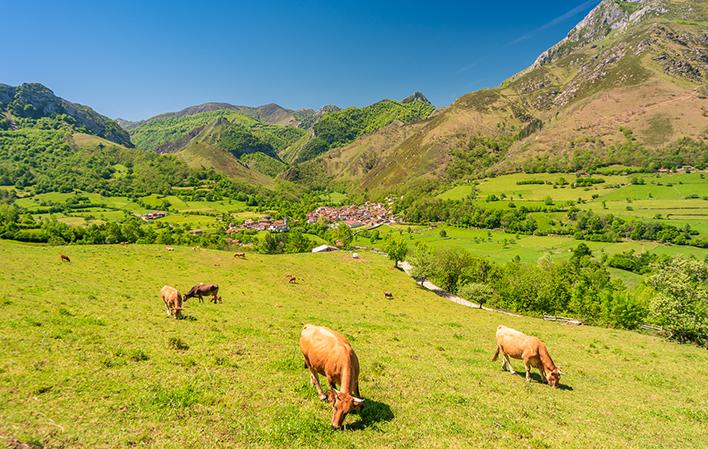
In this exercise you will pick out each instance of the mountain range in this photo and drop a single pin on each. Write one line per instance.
(627, 85)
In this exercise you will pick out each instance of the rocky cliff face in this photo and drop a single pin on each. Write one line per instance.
(33, 100)
(606, 17)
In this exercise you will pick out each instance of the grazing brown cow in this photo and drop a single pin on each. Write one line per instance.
(169, 248)
(173, 301)
(388, 295)
(328, 353)
(240, 255)
(64, 258)
(291, 279)
(201, 290)
(531, 350)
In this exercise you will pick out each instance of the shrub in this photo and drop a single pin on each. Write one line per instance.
(680, 303)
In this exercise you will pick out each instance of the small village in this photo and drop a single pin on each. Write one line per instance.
(368, 215)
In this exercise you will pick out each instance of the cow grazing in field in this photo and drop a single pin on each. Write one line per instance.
(201, 290)
(328, 353)
(169, 248)
(531, 350)
(240, 255)
(388, 295)
(291, 279)
(64, 258)
(173, 301)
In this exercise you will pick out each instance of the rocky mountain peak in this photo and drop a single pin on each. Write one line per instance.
(607, 16)
(416, 96)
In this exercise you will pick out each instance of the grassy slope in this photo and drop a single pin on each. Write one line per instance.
(71, 371)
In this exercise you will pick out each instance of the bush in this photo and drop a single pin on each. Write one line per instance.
(680, 302)
(476, 292)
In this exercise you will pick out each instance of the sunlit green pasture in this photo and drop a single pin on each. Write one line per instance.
(90, 360)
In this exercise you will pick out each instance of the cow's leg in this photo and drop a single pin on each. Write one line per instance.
(332, 387)
(527, 367)
(508, 364)
(167, 307)
(314, 380)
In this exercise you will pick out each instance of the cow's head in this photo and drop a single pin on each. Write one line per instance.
(343, 403)
(553, 376)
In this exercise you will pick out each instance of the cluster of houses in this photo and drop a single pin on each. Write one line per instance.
(153, 215)
(683, 169)
(368, 215)
(266, 223)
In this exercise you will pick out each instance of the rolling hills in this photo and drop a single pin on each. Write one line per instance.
(627, 85)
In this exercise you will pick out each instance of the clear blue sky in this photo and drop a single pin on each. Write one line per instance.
(134, 59)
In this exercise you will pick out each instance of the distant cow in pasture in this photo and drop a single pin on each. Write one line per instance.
(201, 290)
(291, 279)
(329, 354)
(388, 295)
(64, 258)
(512, 343)
(169, 248)
(240, 255)
(173, 301)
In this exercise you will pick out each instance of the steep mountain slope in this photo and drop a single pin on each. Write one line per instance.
(32, 101)
(337, 128)
(625, 85)
(222, 144)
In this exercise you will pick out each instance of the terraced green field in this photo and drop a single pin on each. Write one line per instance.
(89, 360)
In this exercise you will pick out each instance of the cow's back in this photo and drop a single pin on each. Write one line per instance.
(171, 295)
(323, 347)
(514, 343)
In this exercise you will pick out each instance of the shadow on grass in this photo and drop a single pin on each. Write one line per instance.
(374, 412)
(536, 377)
(188, 318)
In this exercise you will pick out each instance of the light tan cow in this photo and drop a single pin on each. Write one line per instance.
(531, 350)
(173, 301)
(328, 353)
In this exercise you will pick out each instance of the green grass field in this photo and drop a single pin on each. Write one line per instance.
(89, 360)
(677, 199)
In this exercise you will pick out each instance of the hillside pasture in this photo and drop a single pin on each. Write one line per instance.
(90, 360)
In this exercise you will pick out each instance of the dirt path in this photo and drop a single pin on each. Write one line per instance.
(408, 268)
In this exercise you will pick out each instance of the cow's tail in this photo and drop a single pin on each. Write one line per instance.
(496, 354)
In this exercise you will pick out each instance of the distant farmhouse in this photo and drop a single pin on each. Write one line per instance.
(368, 215)
(153, 215)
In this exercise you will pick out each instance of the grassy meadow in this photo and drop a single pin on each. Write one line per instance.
(674, 198)
(90, 360)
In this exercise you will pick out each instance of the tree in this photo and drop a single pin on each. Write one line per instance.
(680, 303)
(344, 234)
(477, 292)
(396, 250)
